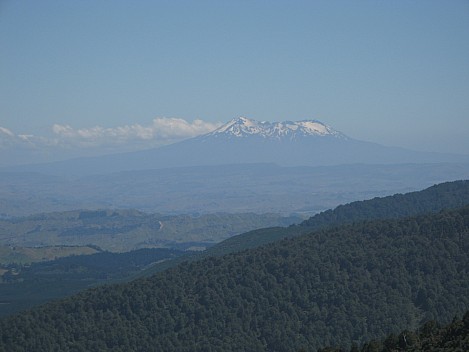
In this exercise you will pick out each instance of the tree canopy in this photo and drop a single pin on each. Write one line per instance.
(331, 287)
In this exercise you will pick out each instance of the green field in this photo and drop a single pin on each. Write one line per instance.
(27, 255)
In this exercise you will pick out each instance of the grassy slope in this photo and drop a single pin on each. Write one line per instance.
(27, 255)
(125, 230)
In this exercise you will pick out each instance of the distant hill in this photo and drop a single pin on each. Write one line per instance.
(447, 195)
(331, 287)
(27, 255)
(125, 230)
(243, 140)
(433, 199)
(51, 280)
(242, 188)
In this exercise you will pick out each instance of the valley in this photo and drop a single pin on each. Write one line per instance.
(62, 277)
(246, 188)
(246, 176)
(126, 230)
(262, 256)
(336, 286)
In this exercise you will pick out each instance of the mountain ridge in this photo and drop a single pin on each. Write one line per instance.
(332, 287)
(302, 143)
(243, 127)
(434, 199)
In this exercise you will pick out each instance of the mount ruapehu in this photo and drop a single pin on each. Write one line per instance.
(243, 140)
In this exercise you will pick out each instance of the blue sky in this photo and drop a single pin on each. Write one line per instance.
(392, 72)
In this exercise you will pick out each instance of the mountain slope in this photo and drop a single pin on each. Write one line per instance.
(330, 287)
(446, 195)
(243, 127)
(242, 140)
(430, 337)
(434, 199)
(23, 287)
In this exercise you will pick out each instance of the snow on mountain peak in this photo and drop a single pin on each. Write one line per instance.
(240, 126)
(244, 127)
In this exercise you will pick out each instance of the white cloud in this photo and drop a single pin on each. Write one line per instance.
(160, 131)
(6, 131)
(66, 141)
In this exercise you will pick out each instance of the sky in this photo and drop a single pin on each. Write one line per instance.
(86, 77)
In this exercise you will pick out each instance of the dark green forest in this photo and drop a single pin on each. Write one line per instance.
(429, 337)
(448, 195)
(332, 287)
(24, 286)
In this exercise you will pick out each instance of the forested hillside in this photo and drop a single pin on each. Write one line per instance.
(429, 337)
(24, 286)
(328, 288)
(447, 195)
(433, 199)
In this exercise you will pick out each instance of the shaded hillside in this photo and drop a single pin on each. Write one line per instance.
(331, 287)
(433, 199)
(429, 337)
(106, 225)
(25, 286)
(52, 286)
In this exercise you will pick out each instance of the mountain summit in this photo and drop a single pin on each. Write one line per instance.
(247, 141)
(244, 127)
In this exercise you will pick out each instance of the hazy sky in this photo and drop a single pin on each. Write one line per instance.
(393, 72)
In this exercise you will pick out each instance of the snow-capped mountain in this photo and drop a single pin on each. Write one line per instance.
(243, 141)
(244, 127)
